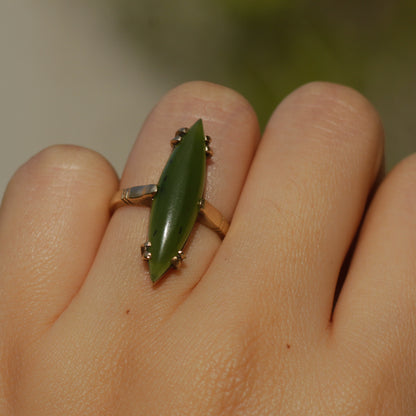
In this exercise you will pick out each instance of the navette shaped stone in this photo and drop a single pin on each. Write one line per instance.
(176, 204)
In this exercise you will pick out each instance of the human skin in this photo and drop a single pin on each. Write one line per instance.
(246, 326)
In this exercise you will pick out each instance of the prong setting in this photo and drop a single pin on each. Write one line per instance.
(208, 150)
(177, 260)
(182, 131)
(178, 136)
(145, 249)
(175, 141)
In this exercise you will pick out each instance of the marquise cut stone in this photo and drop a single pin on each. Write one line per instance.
(176, 204)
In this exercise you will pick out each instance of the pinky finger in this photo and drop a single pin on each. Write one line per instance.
(375, 316)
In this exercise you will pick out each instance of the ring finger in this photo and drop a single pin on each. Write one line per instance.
(119, 274)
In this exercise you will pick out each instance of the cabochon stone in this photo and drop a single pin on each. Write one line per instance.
(176, 204)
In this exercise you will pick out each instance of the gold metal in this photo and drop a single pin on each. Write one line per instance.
(182, 131)
(146, 253)
(212, 218)
(178, 259)
(142, 195)
(208, 150)
(175, 141)
(137, 195)
(178, 136)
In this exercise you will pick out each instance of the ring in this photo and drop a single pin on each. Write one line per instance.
(176, 201)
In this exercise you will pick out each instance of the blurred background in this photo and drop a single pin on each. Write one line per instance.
(87, 72)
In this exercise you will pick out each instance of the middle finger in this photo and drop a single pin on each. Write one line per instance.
(300, 208)
(119, 274)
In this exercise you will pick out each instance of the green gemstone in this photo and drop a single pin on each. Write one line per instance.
(176, 204)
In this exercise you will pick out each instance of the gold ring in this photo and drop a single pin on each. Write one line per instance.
(176, 201)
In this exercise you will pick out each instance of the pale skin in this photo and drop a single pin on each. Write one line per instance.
(246, 326)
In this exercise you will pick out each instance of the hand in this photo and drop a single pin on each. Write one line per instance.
(246, 326)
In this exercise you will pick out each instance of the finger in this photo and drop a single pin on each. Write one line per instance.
(374, 319)
(232, 124)
(300, 208)
(52, 219)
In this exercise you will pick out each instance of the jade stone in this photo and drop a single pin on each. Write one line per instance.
(176, 204)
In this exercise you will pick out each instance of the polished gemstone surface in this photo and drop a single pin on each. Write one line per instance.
(176, 204)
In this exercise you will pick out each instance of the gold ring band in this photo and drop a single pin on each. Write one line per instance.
(177, 201)
(143, 195)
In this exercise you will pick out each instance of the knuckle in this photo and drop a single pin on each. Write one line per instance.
(230, 373)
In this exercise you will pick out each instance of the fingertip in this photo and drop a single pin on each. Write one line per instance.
(404, 175)
(215, 104)
(326, 93)
(396, 196)
(339, 116)
(67, 160)
(215, 96)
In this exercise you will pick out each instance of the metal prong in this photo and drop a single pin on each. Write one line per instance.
(175, 141)
(145, 249)
(208, 150)
(177, 260)
(181, 132)
(178, 136)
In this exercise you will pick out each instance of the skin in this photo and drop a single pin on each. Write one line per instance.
(246, 326)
